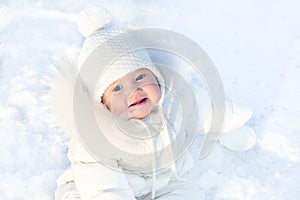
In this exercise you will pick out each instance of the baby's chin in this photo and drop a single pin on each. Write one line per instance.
(139, 114)
(135, 114)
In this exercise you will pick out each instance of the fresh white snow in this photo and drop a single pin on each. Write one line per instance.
(254, 44)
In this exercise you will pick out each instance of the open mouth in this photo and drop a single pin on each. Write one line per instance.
(139, 102)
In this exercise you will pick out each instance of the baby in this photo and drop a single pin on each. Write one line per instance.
(131, 88)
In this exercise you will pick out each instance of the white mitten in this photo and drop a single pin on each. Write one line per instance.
(241, 139)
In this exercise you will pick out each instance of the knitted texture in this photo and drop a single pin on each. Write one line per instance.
(123, 50)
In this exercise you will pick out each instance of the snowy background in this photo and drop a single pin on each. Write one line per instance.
(255, 45)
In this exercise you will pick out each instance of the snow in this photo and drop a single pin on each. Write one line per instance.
(254, 44)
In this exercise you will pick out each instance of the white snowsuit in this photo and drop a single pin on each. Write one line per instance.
(89, 179)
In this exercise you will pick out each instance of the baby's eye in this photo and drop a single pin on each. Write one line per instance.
(117, 88)
(139, 77)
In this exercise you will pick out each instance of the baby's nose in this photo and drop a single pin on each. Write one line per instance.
(133, 90)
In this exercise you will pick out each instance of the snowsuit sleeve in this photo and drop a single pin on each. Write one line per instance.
(86, 178)
(236, 116)
(236, 135)
(92, 181)
(194, 103)
(95, 181)
(89, 179)
(66, 189)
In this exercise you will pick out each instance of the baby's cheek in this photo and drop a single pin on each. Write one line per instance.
(106, 101)
(155, 93)
(118, 107)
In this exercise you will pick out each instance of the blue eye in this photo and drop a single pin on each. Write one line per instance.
(117, 88)
(139, 77)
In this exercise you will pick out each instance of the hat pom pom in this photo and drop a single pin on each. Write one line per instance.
(92, 19)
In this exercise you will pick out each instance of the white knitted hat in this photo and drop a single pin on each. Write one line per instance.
(93, 24)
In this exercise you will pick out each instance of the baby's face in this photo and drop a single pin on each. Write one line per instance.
(133, 95)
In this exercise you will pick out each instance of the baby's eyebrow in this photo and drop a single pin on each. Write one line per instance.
(114, 83)
(141, 71)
